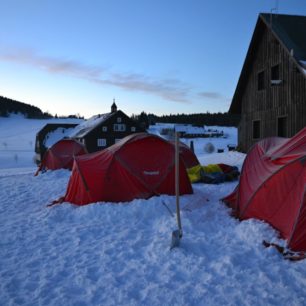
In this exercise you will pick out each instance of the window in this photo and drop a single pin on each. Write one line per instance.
(256, 129)
(101, 142)
(275, 78)
(104, 128)
(275, 72)
(261, 80)
(119, 119)
(133, 129)
(119, 127)
(282, 127)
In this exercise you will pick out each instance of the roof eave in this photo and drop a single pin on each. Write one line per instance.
(235, 107)
(289, 52)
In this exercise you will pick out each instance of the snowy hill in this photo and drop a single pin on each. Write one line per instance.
(17, 139)
(118, 254)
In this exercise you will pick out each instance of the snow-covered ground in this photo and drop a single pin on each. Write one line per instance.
(118, 254)
(17, 140)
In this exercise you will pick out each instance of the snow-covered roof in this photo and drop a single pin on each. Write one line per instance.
(56, 135)
(303, 65)
(82, 129)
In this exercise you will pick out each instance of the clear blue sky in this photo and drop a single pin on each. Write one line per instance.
(158, 56)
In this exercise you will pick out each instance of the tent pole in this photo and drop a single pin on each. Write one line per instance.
(82, 177)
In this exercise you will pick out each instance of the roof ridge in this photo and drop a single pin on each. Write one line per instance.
(89, 124)
(277, 14)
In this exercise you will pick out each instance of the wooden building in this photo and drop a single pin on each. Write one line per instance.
(42, 135)
(104, 130)
(271, 92)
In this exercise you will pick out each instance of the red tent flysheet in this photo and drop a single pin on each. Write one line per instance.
(272, 187)
(61, 155)
(138, 166)
(189, 158)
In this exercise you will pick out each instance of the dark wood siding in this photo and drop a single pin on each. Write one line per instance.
(40, 149)
(287, 99)
(110, 135)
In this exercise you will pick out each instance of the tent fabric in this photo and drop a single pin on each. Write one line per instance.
(139, 166)
(194, 174)
(189, 158)
(61, 155)
(272, 187)
(212, 173)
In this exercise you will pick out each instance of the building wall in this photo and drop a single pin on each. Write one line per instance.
(110, 136)
(40, 148)
(287, 99)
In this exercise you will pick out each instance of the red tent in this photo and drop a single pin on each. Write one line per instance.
(189, 158)
(139, 166)
(272, 187)
(61, 155)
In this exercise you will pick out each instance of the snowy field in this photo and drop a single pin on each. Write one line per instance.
(118, 254)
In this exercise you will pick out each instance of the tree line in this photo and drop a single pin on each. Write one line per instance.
(10, 106)
(200, 119)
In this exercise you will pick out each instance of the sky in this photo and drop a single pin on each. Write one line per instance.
(162, 56)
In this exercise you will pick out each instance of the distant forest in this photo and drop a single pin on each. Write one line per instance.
(8, 106)
(200, 119)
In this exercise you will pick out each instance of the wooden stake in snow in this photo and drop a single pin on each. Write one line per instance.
(177, 234)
